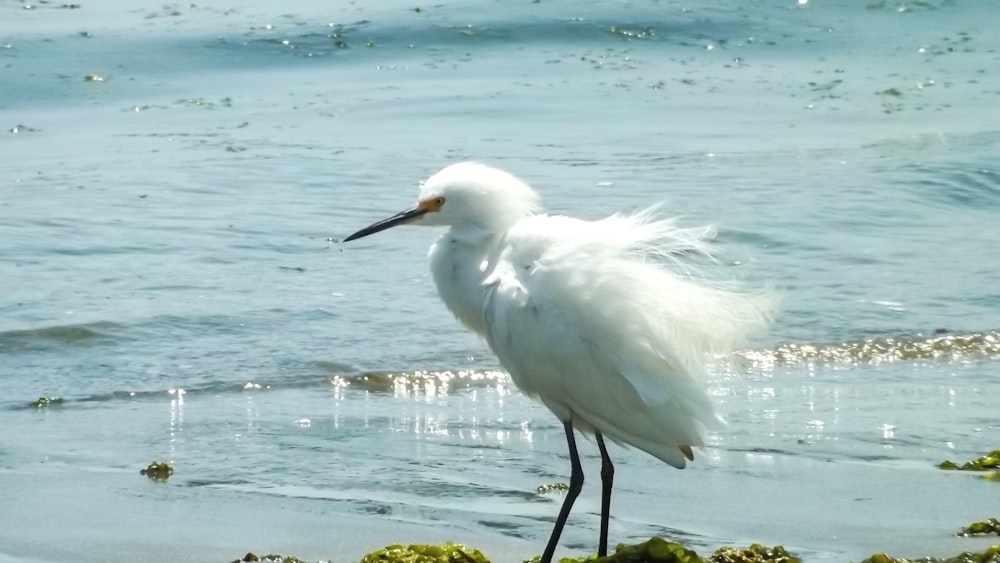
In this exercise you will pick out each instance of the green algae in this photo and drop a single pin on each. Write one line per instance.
(157, 471)
(655, 550)
(989, 463)
(542, 489)
(756, 553)
(272, 558)
(659, 550)
(989, 555)
(425, 553)
(47, 402)
(990, 526)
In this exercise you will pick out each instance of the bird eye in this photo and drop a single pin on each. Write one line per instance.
(439, 202)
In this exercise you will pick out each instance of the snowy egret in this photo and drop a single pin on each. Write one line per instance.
(605, 322)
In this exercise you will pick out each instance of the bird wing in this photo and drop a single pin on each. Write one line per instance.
(604, 323)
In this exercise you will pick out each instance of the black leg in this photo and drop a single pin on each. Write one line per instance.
(607, 478)
(575, 484)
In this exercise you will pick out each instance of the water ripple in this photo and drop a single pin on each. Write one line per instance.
(966, 187)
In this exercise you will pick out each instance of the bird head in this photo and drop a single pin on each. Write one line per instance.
(467, 195)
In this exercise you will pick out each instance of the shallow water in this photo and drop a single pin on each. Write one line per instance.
(171, 267)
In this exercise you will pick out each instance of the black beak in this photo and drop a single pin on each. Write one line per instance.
(397, 219)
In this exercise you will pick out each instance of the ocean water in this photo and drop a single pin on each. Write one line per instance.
(175, 180)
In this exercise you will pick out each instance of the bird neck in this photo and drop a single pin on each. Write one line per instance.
(459, 266)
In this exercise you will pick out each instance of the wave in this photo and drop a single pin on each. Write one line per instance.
(58, 335)
(941, 347)
(332, 375)
(425, 382)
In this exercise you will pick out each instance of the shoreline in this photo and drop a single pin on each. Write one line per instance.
(104, 515)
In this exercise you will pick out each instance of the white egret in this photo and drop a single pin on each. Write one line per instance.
(603, 321)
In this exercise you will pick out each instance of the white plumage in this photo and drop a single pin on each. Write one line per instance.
(608, 323)
(586, 318)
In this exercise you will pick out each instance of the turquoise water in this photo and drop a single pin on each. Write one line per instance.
(171, 266)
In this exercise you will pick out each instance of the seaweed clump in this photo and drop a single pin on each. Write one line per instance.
(542, 489)
(988, 462)
(158, 471)
(989, 555)
(47, 402)
(272, 558)
(756, 553)
(991, 526)
(424, 553)
(982, 463)
(654, 550)
(659, 550)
